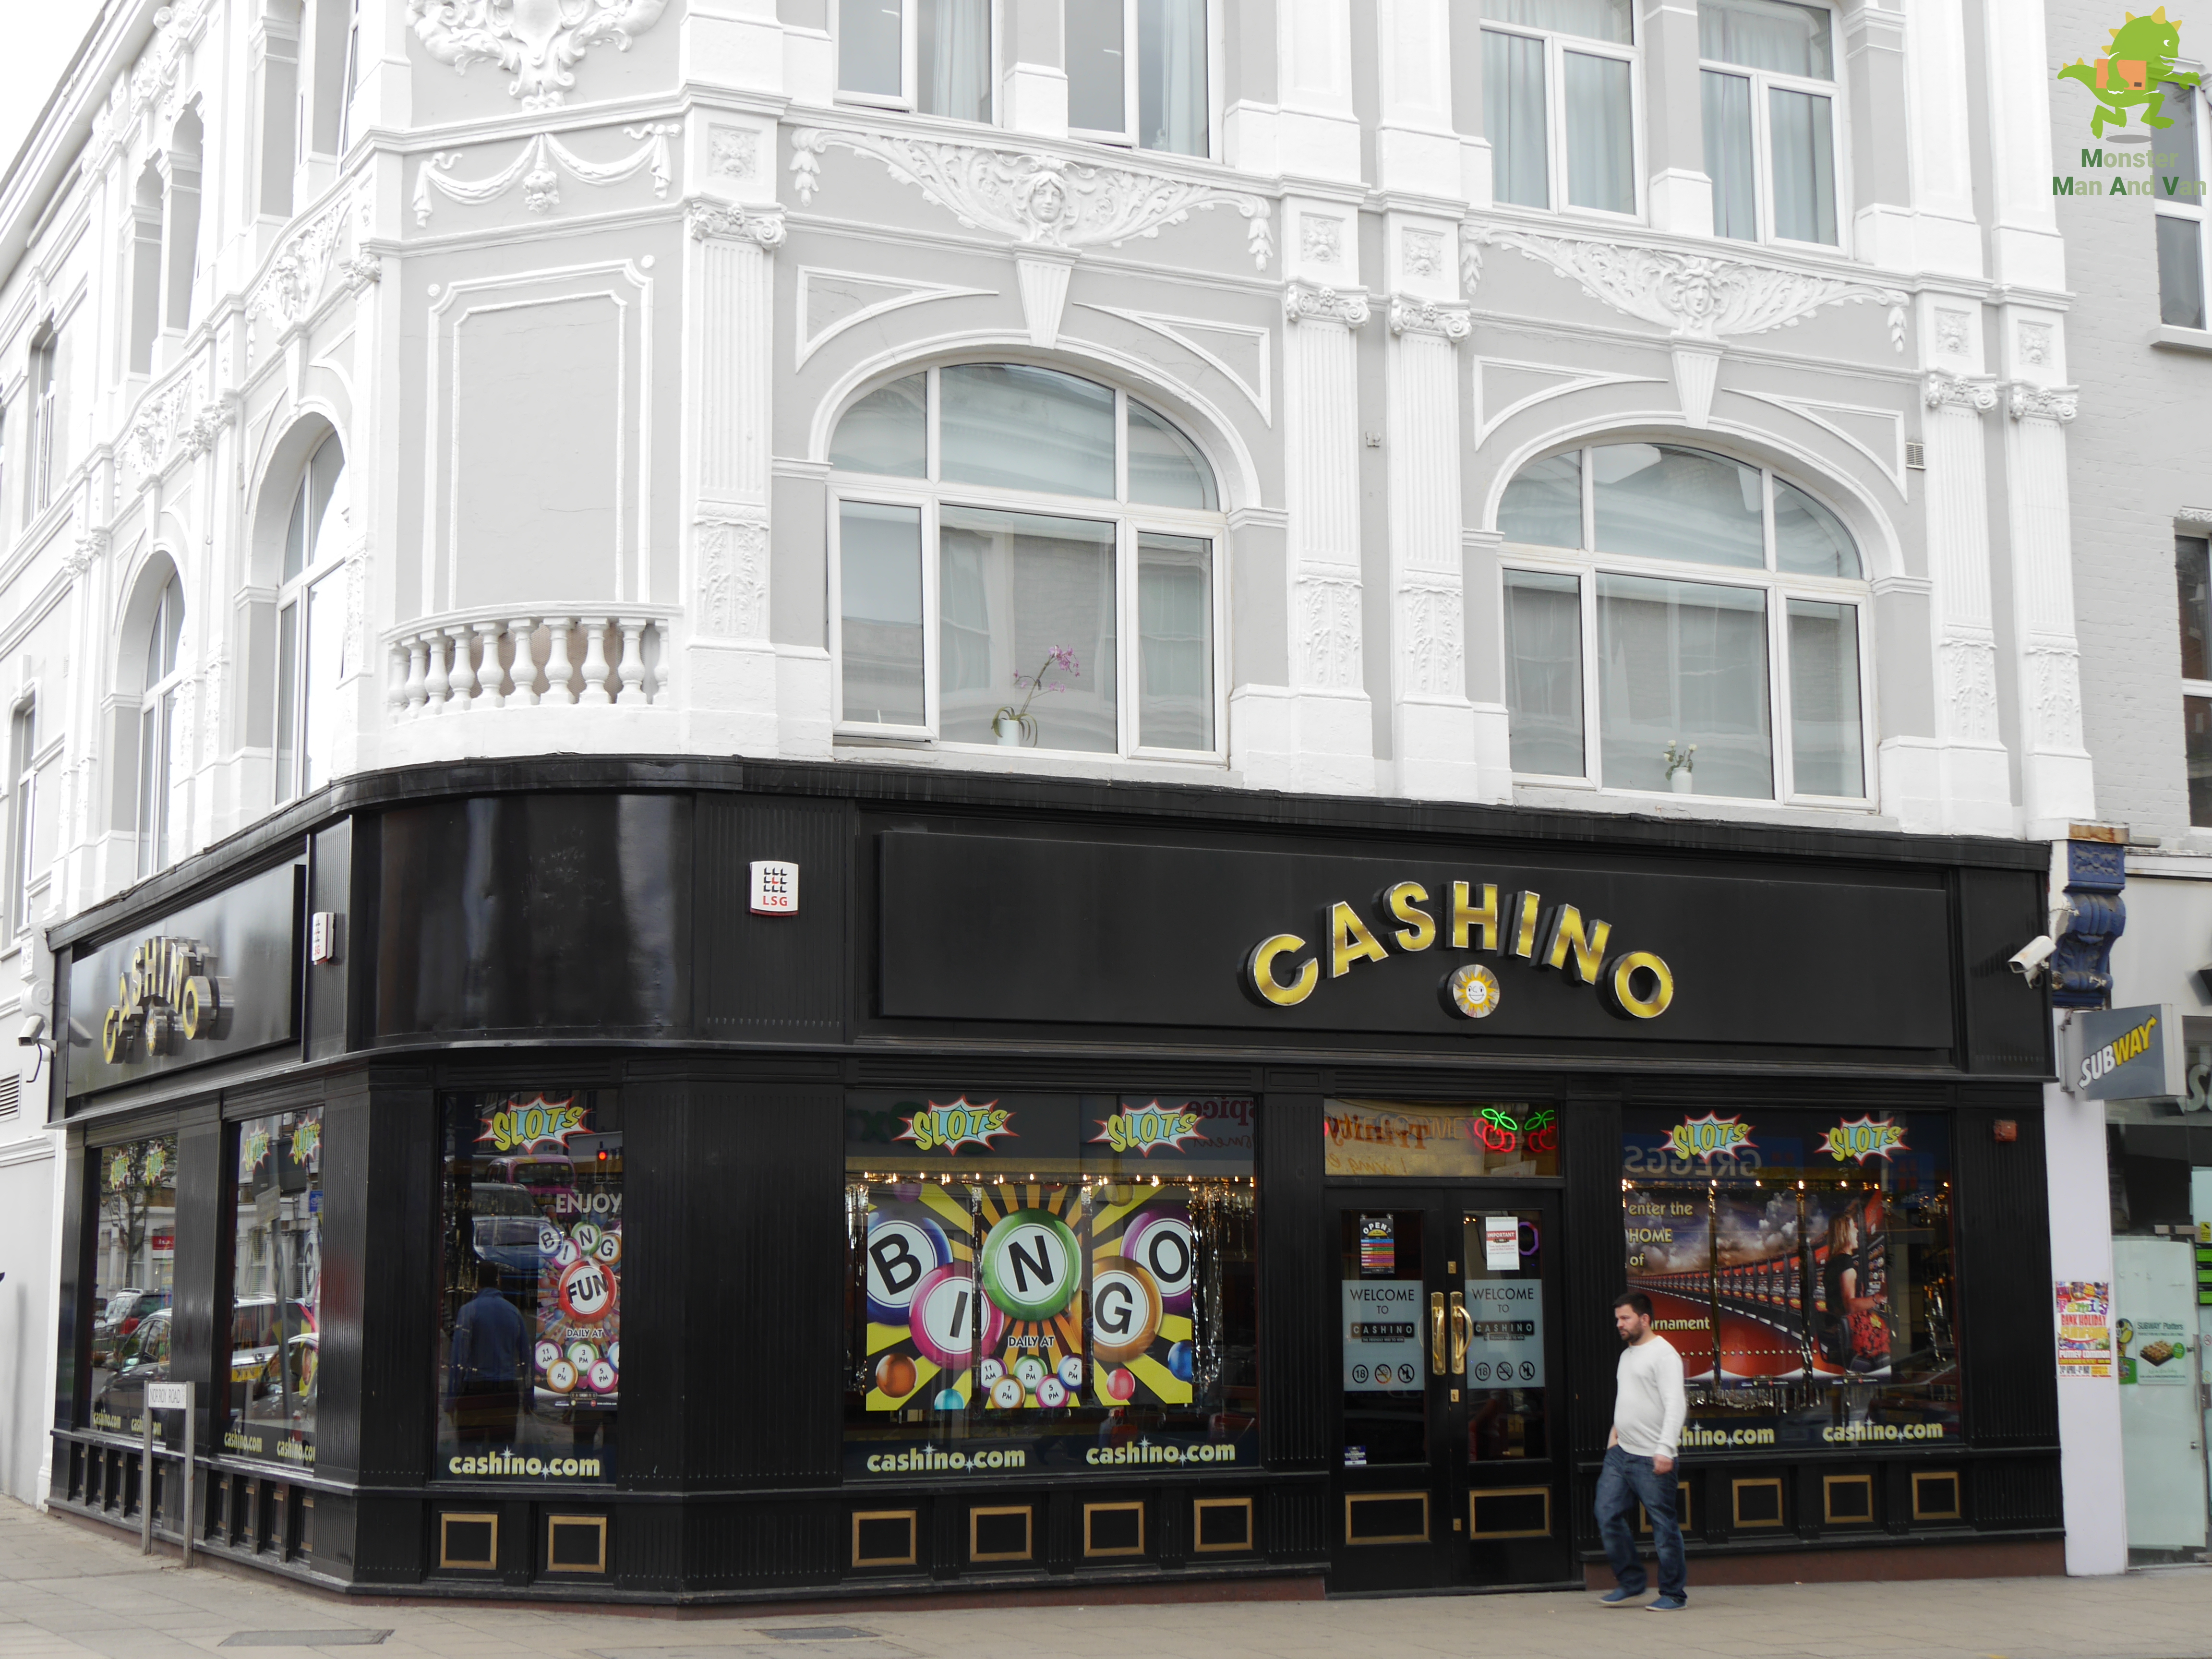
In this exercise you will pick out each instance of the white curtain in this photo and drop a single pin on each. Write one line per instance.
(1596, 20)
(1804, 145)
(953, 59)
(1513, 118)
(1683, 662)
(1766, 34)
(1544, 672)
(1727, 154)
(1600, 145)
(1171, 100)
(1826, 746)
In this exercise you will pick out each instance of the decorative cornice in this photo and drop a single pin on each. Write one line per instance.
(536, 44)
(1304, 304)
(2043, 403)
(1692, 296)
(709, 221)
(1411, 316)
(1972, 392)
(2197, 515)
(535, 169)
(1037, 199)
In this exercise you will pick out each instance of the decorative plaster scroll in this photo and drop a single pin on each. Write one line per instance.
(733, 578)
(1302, 304)
(1423, 252)
(2035, 340)
(2196, 515)
(1320, 239)
(1434, 619)
(176, 30)
(197, 436)
(537, 41)
(2054, 674)
(535, 168)
(725, 220)
(1328, 631)
(1970, 688)
(89, 546)
(1409, 316)
(358, 272)
(2043, 402)
(287, 293)
(154, 429)
(1951, 332)
(1960, 391)
(1692, 295)
(1047, 201)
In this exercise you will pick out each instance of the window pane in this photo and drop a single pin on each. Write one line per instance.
(1026, 428)
(288, 712)
(1727, 154)
(1767, 34)
(1544, 672)
(1175, 637)
(1662, 503)
(2193, 563)
(1096, 76)
(149, 803)
(1513, 119)
(134, 1263)
(1804, 166)
(1824, 699)
(2180, 140)
(174, 824)
(1597, 20)
(1543, 505)
(953, 58)
(871, 48)
(1171, 96)
(879, 592)
(1809, 539)
(2180, 273)
(2197, 713)
(1165, 469)
(326, 473)
(886, 431)
(276, 1289)
(1683, 663)
(530, 1302)
(1601, 154)
(172, 624)
(1013, 589)
(318, 677)
(296, 534)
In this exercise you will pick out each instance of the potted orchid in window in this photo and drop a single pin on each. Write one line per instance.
(1015, 726)
(1680, 763)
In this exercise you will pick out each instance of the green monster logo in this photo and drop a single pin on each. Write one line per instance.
(2133, 73)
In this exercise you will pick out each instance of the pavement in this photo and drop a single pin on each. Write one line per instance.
(66, 1592)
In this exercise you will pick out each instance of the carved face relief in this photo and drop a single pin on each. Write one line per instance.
(535, 41)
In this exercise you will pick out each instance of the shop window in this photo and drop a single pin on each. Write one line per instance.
(1629, 667)
(1370, 1138)
(1046, 578)
(1769, 91)
(311, 624)
(1559, 104)
(276, 1289)
(529, 1353)
(933, 56)
(2180, 219)
(1049, 1283)
(133, 1273)
(1137, 73)
(1801, 1264)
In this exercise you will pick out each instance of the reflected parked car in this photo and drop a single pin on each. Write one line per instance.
(505, 1220)
(121, 1318)
(139, 1359)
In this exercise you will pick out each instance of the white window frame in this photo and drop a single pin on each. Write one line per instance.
(1586, 566)
(1556, 45)
(2189, 688)
(22, 811)
(908, 98)
(2190, 208)
(42, 402)
(323, 557)
(1127, 138)
(1132, 521)
(1762, 139)
(157, 769)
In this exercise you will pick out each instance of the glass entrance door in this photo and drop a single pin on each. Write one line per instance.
(1451, 1462)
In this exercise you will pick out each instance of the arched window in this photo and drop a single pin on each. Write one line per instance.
(158, 827)
(1012, 547)
(1658, 597)
(311, 624)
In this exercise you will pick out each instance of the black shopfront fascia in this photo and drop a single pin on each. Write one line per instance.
(562, 924)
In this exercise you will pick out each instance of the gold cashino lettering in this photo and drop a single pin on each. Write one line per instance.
(167, 995)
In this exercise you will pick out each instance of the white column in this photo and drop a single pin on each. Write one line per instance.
(1948, 235)
(2090, 1462)
(1317, 132)
(2025, 249)
(1974, 784)
(2056, 783)
(1416, 150)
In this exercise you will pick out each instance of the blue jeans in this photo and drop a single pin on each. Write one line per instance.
(1625, 1482)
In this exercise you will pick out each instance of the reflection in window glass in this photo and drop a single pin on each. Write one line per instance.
(1594, 20)
(2192, 569)
(1660, 501)
(1543, 505)
(1502, 1139)
(1683, 663)
(1075, 1287)
(1014, 590)
(1826, 746)
(1171, 96)
(885, 431)
(953, 58)
(1175, 620)
(880, 599)
(133, 1274)
(1513, 119)
(276, 1289)
(1026, 428)
(2180, 273)
(1809, 539)
(2196, 738)
(530, 1307)
(1097, 76)
(1727, 108)
(1544, 671)
(1601, 147)
(1766, 34)
(1165, 469)
(1506, 1339)
(870, 36)
(1804, 146)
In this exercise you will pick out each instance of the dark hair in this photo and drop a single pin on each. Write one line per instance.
(487, 1274)
(1635, 1301)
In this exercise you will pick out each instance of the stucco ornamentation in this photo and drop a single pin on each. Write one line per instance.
(1409, 316)
(1434, 661)
(1692, 296)
(1424, 252)
(1970, 688)
(1042, 200)
(287, 293)
(89, 546)
(153, 79)
(1328, 631)
(1951, 332)
(539, 170)
(2196, 515)
(1320, 239)
(710, 220)
(535, 41)
(2054, 675)
(2043, 402)
(155, 429)
(1942, 390)
(2035, 341)
(197, 436)
(1302, 304)
(733, 578)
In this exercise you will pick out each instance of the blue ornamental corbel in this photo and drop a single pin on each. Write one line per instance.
(2082, 967)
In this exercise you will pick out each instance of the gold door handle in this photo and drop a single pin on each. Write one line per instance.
(1437, 1331)
(1462, 1329)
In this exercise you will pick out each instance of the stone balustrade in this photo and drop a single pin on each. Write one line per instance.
(469, 664)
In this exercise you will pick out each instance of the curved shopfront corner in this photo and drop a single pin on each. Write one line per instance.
(1110, 1187)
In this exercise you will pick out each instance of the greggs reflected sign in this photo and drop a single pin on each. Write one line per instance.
(1284, 969)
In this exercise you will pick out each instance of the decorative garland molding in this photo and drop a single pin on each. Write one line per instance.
(1039, 200)
(1974, 392)
(1692, 296)
(1411, 316)
(287, 293)
(708, 221)
(89, 546)
(1304, 304)
(535, 41)
(535, 169)
(2043, 402)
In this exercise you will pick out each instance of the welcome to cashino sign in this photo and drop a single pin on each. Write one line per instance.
(2135, 76)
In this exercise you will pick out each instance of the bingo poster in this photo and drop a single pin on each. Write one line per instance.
(578, 1351)
(1025, 1298)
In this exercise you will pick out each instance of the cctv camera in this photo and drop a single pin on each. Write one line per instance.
(33, 1028)
(2027, 962)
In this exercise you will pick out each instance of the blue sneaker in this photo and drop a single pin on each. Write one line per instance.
(1668, 1604)
(1616, 1598)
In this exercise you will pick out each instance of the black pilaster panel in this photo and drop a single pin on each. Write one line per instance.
(771, 978)
(2002, 1242)
(2008, 1022)
(1589, 1153)
(72, 1297)
(1294, 1291)
(661, 1279)
(201, 1304)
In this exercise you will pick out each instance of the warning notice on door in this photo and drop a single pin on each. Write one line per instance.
(1507, 1347)
(1382, 1337)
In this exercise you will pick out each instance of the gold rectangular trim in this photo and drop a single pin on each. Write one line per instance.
(1029, 1532)
(1476, 1495)
(1090, 1510)
(1681, 1509)
(1829, 1483)
(1420, 1537)
(1738, 1487)
(597, 1523)
(445, 1556)
(1198, 1507)
(1922, 1513)
(913, 1519)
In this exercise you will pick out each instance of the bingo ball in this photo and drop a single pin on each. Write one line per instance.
(989, 1372)
(1161, 1243)
(609, 1251)
(561, 1376)
(951, 1320)
(582, 1355)
(896, 1375)
(907, 1191)
(1125, 1312)
(901, 1252)
(549, 1239)
(601, 1376)
(1052, 1392)
(1070, 1372)
(566, 1253)
(949, 1400)
(586, 1292)
(545, 1354)
(1029, 1369)
(1031, 1265)
(1180, 1362)
(1121, 1384)
(614, 1355)
(1005, 1393)
(586, 1234)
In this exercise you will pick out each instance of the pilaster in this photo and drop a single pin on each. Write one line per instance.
(2056, 786)
(1681, 191)
(1974, 791)
(1317, 130)
(1416, 151)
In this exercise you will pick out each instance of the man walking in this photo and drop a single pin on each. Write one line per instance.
(1648, 1408)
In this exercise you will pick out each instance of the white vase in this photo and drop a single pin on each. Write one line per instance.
(1682, 783)
(1008, 730)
